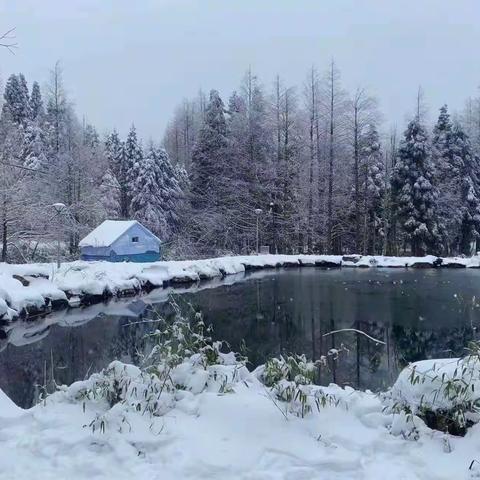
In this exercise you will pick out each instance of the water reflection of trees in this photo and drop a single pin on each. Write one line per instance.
(412, 344)
(289, 312)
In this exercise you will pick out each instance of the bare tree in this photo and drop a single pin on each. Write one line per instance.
(334, 104)
(311, 95)
(363, 113)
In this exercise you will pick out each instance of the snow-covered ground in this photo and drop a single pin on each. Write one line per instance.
(215, 429)
(35, 286)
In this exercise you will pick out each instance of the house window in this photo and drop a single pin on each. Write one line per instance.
(134, 239)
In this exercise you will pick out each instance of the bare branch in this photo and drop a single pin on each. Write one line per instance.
(6, 40)
(354, 330)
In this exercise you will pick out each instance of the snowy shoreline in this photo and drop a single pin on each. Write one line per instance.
(31, 289)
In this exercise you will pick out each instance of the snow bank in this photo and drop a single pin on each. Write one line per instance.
(203, 431)
(438, 385)
(8, 409)
(443, 394)
(32, 287)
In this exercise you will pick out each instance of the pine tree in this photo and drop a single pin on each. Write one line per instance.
(156, 193)
(17, 104)
(36, 103)
(208, 159)
(414, 193)
(129, 170)
(114, 153)
(465, 168)
(170, 188)
(35, 148)
(24, 95)
(456, 175)
(146, 204)
(446, 176)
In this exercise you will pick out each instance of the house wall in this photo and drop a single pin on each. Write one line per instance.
(147, 242)
(147, 249)
(102, 251)
(140, 257)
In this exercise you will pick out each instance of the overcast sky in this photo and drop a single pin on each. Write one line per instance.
(133, 61)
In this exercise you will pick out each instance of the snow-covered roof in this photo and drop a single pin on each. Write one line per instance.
(107, 232)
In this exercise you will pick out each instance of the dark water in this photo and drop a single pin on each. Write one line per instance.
(417, 313)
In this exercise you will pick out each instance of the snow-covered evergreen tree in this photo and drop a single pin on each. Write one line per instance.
(24, 95)
(446, 170)
(114, 153)
(414, 193)
(17, 103)
(171, 192)
(470, 231)
(182, 176)
(129, 170)
(209, 155)
(34, 149)
(146, 204)
(36, 103)
(156, 193)
(115, 202)
(456, 175)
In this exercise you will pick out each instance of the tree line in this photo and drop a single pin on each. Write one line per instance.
(310, 165)
(307, 168)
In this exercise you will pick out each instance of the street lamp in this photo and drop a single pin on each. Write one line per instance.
(258, 212)
(274, 234)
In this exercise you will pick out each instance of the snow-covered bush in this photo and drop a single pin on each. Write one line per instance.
(444, 393)
(291, 378)
(128, 385)
(177, 340)
(183, 358)
(184, 355)
(292, 368)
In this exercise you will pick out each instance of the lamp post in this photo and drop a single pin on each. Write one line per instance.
(274, 233)
(258, 212)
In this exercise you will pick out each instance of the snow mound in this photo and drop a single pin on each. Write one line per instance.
(438, 385)
(122, 422)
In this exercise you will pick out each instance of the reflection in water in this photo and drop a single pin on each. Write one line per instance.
(415, 312)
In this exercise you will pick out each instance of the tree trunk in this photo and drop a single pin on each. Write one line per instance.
(330, 169)
(312, 159)
(4, 241)
(356, 180)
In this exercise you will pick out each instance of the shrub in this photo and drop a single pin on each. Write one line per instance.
(291, 379)
(443, 393)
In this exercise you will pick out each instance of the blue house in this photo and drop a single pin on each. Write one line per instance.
(120, 241)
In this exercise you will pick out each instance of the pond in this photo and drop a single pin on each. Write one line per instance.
(418, 314)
